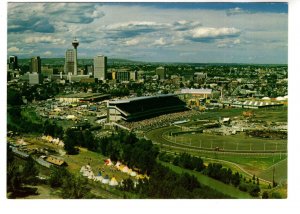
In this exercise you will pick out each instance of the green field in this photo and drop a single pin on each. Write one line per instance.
(212, 183)
(280, 172)
(239, 142)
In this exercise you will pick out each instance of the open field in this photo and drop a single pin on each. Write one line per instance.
(238, 142)
(280, 172)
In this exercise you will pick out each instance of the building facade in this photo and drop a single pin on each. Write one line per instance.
(123, 76)
(13, 62)
(75, 44)
(100, 67)
(35, 78)
(161, 72)
(69, 61)
(35, 64)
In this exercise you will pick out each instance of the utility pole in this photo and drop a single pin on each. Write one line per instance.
(274, 176)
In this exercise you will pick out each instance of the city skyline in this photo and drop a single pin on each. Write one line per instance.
(154, 32)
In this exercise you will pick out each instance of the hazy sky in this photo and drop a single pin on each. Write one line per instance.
(164, 32)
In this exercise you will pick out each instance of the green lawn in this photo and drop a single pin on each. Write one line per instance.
(230, 142)
(280, 172)
(212, 183)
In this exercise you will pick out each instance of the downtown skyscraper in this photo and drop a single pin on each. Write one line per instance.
(35, 64)
(100, 67)
(69, 62)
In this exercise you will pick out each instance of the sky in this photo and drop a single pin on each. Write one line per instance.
(153, 32)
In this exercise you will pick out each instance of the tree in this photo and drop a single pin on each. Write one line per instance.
(58, 176)
(75, 188)
(235, 179)
(254, 190)
(13, 174)
(14, 97)
(30, 171)
(70, 142)
(265, 195)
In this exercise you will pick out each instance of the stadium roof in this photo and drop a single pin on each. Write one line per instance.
(196, 91)
(139, 98)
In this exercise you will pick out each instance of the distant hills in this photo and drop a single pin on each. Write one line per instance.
(61, 61)
(112, 61)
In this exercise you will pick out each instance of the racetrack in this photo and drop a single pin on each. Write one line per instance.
(208, 145)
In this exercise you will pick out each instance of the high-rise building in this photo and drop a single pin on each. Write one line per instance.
(133, 75)
(100, 67)
(161, 72)
(13, 62)
(69, 61)
(35, 65)
(123, 76)
(35, 78)
(75, 44)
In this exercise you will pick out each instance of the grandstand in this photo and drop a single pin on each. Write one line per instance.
(138, 108)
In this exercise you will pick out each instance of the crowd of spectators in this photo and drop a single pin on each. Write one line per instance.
(160, 121)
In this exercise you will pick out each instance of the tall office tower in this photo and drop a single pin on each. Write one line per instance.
(75, 44)
(161, 72)
(13, 62)
(69, 61)
(35, 65)
(100, 67)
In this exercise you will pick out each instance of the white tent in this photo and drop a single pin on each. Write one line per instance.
(125, 169)
(113, 182)
(133, 174)
(105, 180)
(98, 178)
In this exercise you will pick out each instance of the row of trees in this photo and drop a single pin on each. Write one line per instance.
(187, 161)
(216, 171)
(164, 183)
